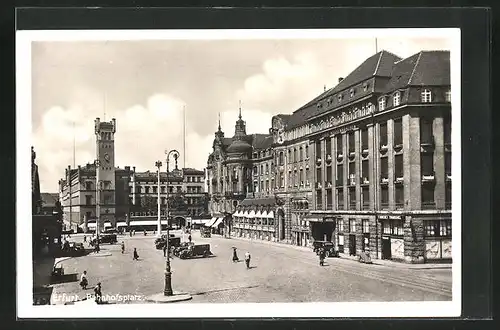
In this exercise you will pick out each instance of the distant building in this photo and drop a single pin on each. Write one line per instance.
(50, 203)
(36, 198)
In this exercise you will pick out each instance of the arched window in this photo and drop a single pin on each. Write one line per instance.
(396, 99)
(426, 96)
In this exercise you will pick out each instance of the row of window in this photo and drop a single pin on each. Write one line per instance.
(352, 92)
(425, 97)
(428, 198)
(171, 189)
(106, 136)
(193, 179)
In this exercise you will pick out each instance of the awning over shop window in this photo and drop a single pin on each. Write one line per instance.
(270, 215)
(200, 221)
(251, 214)
(258, 214)
(211, 222)
(93, 225)
(245, 214)
(217, 223)
(237, 214)
(264, 214)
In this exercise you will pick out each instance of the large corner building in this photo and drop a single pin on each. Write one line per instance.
(366, 165)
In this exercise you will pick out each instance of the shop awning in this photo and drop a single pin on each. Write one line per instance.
(264, 214)
(237, 214)
(245, 214)
(258, 214)
(270, 215)
(251, 214)
(217, 223)
(200, 221)
(211, 222)
(93, 225)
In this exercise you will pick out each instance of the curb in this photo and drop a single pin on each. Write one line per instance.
(160, 298)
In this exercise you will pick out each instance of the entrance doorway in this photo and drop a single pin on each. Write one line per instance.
(281, 224)
(386, 248)
(352, 245)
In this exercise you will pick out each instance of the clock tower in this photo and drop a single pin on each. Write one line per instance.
(105, 170)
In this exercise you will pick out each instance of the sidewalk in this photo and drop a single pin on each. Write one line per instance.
(380, 262)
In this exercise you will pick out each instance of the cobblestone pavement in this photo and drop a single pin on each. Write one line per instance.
(278, 274)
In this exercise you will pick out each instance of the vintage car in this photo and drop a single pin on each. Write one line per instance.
(193, 251)
(205, 232)
(105, 238)
(162, 241)
(327, 246)
(182, 246)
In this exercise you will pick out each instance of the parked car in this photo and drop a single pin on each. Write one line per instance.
(327, 246)
(105, 238)
(162, 241)
(193, 251)
(182, 246)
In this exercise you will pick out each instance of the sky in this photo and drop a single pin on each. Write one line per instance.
(146, 84)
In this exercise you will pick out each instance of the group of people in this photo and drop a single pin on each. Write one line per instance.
(97, 289)
(247, 257)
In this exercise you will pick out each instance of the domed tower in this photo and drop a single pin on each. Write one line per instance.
(238, 159)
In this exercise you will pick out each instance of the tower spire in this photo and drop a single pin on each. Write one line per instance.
(219, 122)
(239, 116)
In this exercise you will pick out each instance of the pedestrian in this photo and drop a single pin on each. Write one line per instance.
(165, 249)
(98, 293)
(136, 255)
(123, 247)
(235, 255)
(84, 238)
(247, 259)
(189, 238)
(83, 280)
(322, 257)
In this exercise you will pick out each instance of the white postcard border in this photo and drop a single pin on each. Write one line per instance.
(25, 308)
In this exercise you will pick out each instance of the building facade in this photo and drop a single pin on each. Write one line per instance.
(366, 164)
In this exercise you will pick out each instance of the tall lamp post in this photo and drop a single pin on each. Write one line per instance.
(168, 274)
(158, 164)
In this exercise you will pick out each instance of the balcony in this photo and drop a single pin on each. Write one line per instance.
(352, 180)
(428, 178)
(318, 161)
(318, 185)
(384, 181)
(302, 183)
(319, 206)
(352, 205)
(398, 146)
(384, 205)
(399, 180)
(428, 205)
(340, 156)
(352, 153)
(328, 158)
(329, 206)
(448, 177)
(328, 184)
(307, 183)
(399, 205)
(364, 152)
(365, 180)
(365, 205)
(384, 148)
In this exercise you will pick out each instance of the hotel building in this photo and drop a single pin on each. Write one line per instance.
(366, 164)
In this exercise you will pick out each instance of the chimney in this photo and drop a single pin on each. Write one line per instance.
(340, 79)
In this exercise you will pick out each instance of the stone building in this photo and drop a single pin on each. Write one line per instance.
(366, 164)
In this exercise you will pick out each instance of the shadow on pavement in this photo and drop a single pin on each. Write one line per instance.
(66, 278)
(222, 290)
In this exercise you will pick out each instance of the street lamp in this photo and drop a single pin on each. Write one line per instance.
(168, 275)
(158, 164)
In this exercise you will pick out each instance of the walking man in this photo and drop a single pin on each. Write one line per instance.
(123, 247)
(235, 255)
(98, 293)
(136, 255)
(189, 238)
(164, 250)
(247, 259)
(84, 238)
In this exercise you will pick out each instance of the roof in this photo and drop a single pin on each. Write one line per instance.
(262, 141)
(189, 170)
(239, 146)
(380, 64)
(227, 141)
(429, 68)
(49, 199)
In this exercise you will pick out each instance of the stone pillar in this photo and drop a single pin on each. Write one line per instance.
(345, 161)
(323, 173)
(414, 243)
(390, 162)
(371, 164)
(357, 166)
(411, 161)
(240, 170)
(359, 236)
(439, 168)
(85, 223)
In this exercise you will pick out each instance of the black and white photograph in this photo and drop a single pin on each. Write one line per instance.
(239, 173)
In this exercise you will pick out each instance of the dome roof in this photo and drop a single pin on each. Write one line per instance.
(239, 146)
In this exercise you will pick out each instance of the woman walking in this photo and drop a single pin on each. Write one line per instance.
(235, 255)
